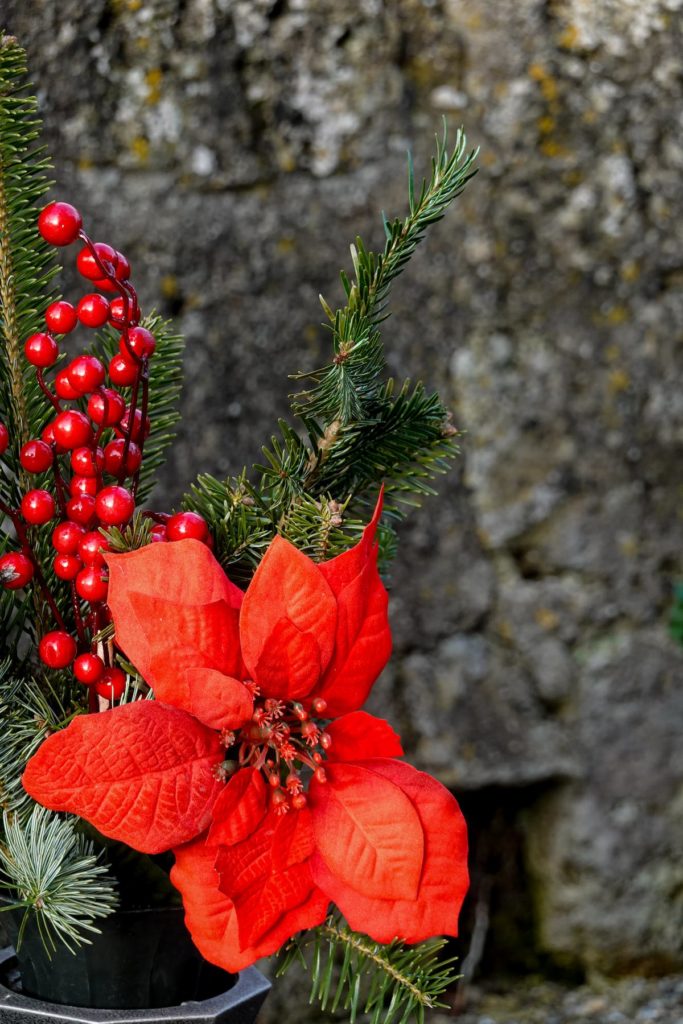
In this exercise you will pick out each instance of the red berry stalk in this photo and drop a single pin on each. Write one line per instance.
(92, 446)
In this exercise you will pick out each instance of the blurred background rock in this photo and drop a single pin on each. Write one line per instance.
(233, 148)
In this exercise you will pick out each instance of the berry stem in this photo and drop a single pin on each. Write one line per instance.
(59, 483)
(128, 437)
(75, 604)
(144, 376)
(54, 401)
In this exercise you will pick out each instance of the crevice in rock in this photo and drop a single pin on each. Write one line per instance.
(502, 890)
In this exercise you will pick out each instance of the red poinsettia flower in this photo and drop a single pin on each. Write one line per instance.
(216, 766)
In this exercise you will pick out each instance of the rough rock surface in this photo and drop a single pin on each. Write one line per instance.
(233, 148)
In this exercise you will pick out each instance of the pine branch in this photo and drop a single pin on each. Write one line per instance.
(240, 522)
(54, 873)
(357, 432)
(342, 389)
(405, 444)
(29, 712)
(26, 262)
(164, 391)
(392, 983)
(131, 537)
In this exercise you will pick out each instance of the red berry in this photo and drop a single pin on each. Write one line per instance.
(87, 265)
(59, 223)
(117, 311)
(91, 547)
(72, 429)
(64, 387)
(112, 684)
(140, 341)
(105, 284)
(16, 570)
(60, 317)
(187, 525)
(91, 583)
(106, 407)
(38, 507)
(122, 371)
(41, 350)
(47, 435)
(136, 431)
(113, 457)
(83, 485)
(57, 649)
(4, 439)
(81, 509)
(67, 567)
(114, 505)
(122, 267)
(66, 537)
(85, 374)
(93, 310)
(88, 668)
(158, 534)
(87, 461)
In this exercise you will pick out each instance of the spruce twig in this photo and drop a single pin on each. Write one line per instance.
(391, 983)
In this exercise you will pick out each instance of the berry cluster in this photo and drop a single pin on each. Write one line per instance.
(88, 456)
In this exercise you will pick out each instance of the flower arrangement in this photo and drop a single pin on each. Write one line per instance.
(190, 685)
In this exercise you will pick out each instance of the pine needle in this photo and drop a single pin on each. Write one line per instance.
(392, 984)
(57, 877)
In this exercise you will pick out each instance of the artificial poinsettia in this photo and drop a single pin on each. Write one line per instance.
(217, 766)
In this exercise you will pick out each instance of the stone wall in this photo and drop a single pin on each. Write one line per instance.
(233, 148)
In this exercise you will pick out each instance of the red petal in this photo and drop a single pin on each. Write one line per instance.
(289, 663)
(444, 878)
(209, 914)
(142, 773)
(363, 637)
(212, 920)
(358, 736)
(367, 831)
(268, 878)
(178, 597)
(287, 623)
(239, 809)
(217, 700)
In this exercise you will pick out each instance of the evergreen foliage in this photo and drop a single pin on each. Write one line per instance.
(57, 876)
(391, 984)
(316, 485)
(26, 263)
(357, 431)
(166, 378)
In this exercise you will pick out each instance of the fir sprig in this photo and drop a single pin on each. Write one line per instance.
(404, 444)
(342, 389)
(29, 712)
(26, 261)
(131, 537)
(166, 377)
(57, 877)
(392, 984)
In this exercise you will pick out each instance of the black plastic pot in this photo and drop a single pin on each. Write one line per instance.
(143, 967)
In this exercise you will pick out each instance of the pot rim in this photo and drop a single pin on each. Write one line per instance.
(251, 986)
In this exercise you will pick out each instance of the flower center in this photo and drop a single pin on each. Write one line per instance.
(284, 742)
